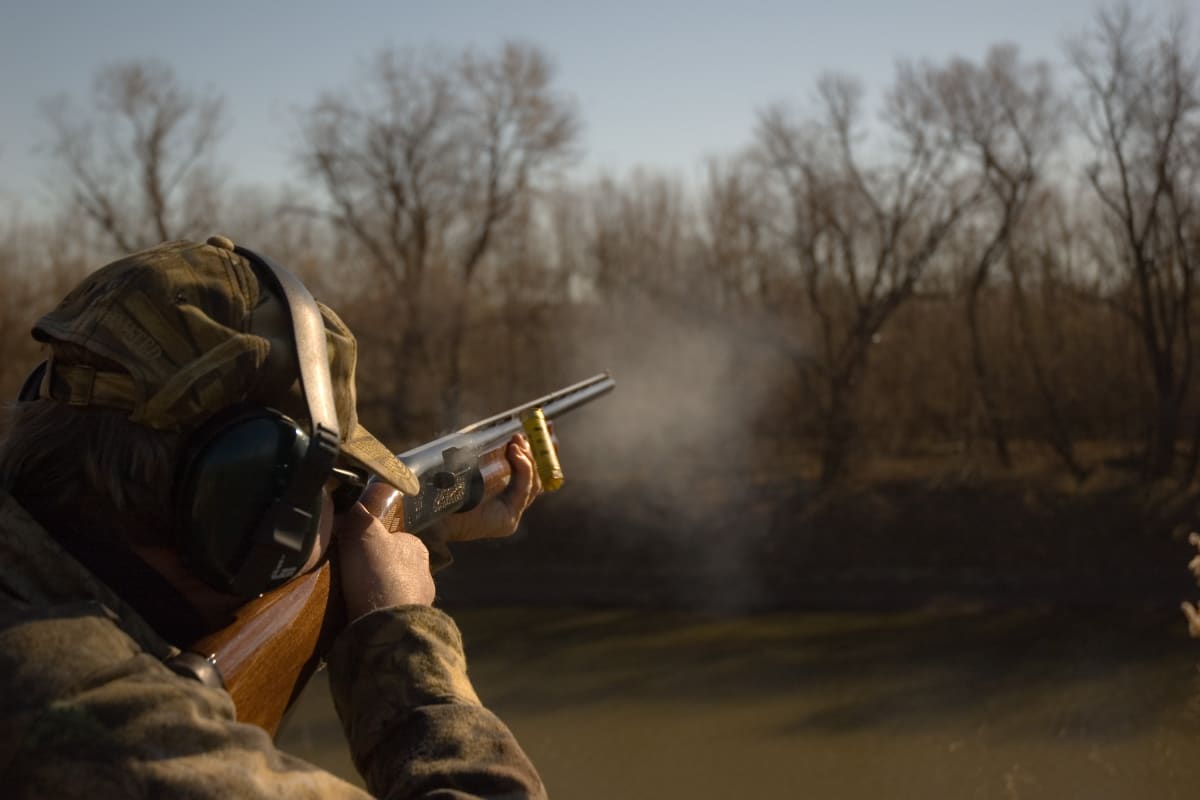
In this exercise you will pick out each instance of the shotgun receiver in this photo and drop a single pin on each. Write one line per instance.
(266, 655)
(459, 471)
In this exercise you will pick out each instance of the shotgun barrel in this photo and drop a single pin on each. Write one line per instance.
(461, 469)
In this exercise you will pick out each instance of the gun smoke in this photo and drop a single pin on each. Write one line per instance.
(669, 459)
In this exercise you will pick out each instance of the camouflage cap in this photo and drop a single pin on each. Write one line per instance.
(178, 319)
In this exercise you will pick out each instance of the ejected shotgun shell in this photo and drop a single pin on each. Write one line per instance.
(545, 456)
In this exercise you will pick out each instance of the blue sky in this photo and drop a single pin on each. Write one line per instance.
(659, 84)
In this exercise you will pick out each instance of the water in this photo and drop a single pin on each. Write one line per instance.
(930, 704)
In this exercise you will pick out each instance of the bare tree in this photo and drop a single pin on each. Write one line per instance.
(39, 263)
(420, 169)
(738, 254)
(18, 297)
(138, 162)
(1002, 114)
(1142, 118)
(861, 237)
(638, 232)
(1041, 257)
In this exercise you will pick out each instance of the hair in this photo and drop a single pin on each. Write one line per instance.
(54, 455)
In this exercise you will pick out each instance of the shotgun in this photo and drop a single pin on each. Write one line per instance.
(267, 654)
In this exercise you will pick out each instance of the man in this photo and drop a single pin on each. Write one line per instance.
(105, 572)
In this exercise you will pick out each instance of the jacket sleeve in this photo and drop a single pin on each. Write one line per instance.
(87, 714)
(415, 725)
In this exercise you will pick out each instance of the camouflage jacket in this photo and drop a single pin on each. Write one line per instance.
(88, 708)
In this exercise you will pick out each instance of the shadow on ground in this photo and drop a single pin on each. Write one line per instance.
(1087, 674)
(635, 703)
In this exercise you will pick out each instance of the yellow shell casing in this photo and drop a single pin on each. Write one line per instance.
(545, 456)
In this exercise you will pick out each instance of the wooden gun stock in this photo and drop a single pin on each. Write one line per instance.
(266, 656)
(275, 643)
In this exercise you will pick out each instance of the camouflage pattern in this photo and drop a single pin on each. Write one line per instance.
(90, 711)
(177, 319)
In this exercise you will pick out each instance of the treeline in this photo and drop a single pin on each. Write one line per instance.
(997, 256)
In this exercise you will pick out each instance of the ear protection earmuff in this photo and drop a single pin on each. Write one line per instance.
(248, 483)
(247, 488)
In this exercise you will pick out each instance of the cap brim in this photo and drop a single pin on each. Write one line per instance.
(364, 450)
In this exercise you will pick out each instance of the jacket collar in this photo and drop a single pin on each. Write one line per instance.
(36, 570)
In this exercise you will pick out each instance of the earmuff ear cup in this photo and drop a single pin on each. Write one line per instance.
(232, 474)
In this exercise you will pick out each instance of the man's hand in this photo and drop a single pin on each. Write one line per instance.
(1189, 609)
(500, 516)
(379, 569)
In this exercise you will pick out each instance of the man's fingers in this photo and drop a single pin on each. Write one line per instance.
(499, 516)
(1194, 539)
(535, 477)
(354, 523)
(528, 483)
(1193, 617)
